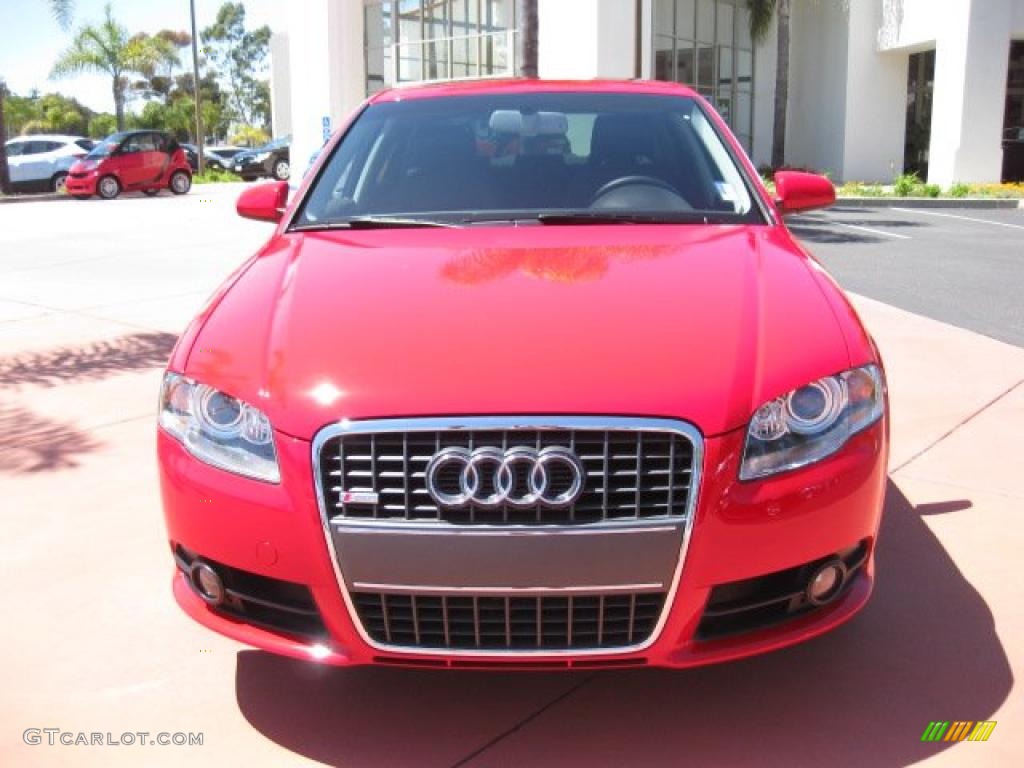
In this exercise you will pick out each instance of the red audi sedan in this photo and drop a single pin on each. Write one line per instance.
(144, 161)
(529, 375)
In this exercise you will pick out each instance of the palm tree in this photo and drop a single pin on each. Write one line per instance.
(108, 48)
(761, 13)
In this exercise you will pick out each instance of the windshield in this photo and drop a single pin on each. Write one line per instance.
(542, 156)
(108, 145)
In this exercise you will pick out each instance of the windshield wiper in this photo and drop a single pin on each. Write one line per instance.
(369, 222)
(626, 217)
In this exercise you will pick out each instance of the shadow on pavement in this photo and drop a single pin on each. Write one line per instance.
(87, 362)
(830, 230)
(924, 649)
(33, 443)
(821, 233)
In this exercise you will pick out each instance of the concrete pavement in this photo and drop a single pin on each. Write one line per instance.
(92, 640)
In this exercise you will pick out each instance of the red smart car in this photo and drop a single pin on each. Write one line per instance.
(530, 375)
(147, 161)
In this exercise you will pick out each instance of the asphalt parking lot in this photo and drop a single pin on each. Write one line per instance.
(92, 296)
(960, 266)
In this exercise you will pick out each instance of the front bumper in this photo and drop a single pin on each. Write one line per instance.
(82, 185)
(251, 170)
(740, 531)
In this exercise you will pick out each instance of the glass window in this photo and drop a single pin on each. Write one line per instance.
(416, 40)
(725, 54)
(743, 26)
(518, 156)
(706, 21)
(686, 69)
(744, 67)
(16, 148)
(663, 58)
(724, 23)
(664, 11)
(714, 54)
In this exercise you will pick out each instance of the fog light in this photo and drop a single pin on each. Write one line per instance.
(207, 583)
(826, 582)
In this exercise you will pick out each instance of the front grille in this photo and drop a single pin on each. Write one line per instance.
(505, 623)
(628, 475)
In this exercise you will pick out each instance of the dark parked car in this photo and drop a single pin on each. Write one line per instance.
(216, 157)
(271, 160)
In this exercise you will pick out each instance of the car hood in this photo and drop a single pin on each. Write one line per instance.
(84, 166)
(701, 323)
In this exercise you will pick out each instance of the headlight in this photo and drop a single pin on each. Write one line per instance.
(261, 157)
(812, 422)
(218, 429)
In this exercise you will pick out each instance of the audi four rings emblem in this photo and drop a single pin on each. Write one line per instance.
(487, 477)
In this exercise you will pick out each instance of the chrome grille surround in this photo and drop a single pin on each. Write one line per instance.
(683, 522)
(627, 475)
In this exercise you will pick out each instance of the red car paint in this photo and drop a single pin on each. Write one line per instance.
(701, 324)
(148, 167)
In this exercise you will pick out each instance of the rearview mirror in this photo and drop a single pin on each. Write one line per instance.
(265, 202)
(796, 191)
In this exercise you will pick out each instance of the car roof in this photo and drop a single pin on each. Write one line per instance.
(47, 137)
(528, 85)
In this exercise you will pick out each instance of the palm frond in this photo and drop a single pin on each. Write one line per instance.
(761, 14)
(63, 11)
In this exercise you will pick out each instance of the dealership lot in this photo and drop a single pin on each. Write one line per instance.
(92, 296)
(960, 266)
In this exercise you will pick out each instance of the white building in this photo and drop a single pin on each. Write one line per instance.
(876, 86)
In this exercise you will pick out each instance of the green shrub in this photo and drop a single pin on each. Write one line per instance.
(931, 190)
(959, 190)
(905, 184)
(214, 176)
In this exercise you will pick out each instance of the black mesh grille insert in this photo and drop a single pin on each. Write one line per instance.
(627, 475)
(503, 623)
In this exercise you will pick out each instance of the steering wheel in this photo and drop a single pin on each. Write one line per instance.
(677, 201)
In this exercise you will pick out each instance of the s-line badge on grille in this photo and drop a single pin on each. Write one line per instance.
(519, 476)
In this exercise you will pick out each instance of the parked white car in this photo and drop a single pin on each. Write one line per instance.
(41, 162)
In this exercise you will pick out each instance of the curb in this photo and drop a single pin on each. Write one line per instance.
(30, 198)
(930, 202)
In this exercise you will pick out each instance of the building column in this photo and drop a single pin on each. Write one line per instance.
(280, 86)
(585, 39)
(325, 58)
(971, 58)
(875, 103)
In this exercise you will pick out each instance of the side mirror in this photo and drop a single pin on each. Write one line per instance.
(796, 191)
(265, 202)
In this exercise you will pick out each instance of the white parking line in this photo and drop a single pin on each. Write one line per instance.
(963, 218)
(825, 221)
(872, 231)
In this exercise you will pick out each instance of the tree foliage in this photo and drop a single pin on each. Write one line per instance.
(762, 14)
(52, 113)
(240, 56)
(250, 136)
(108, 49)
(102, 125)
(63, 11)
